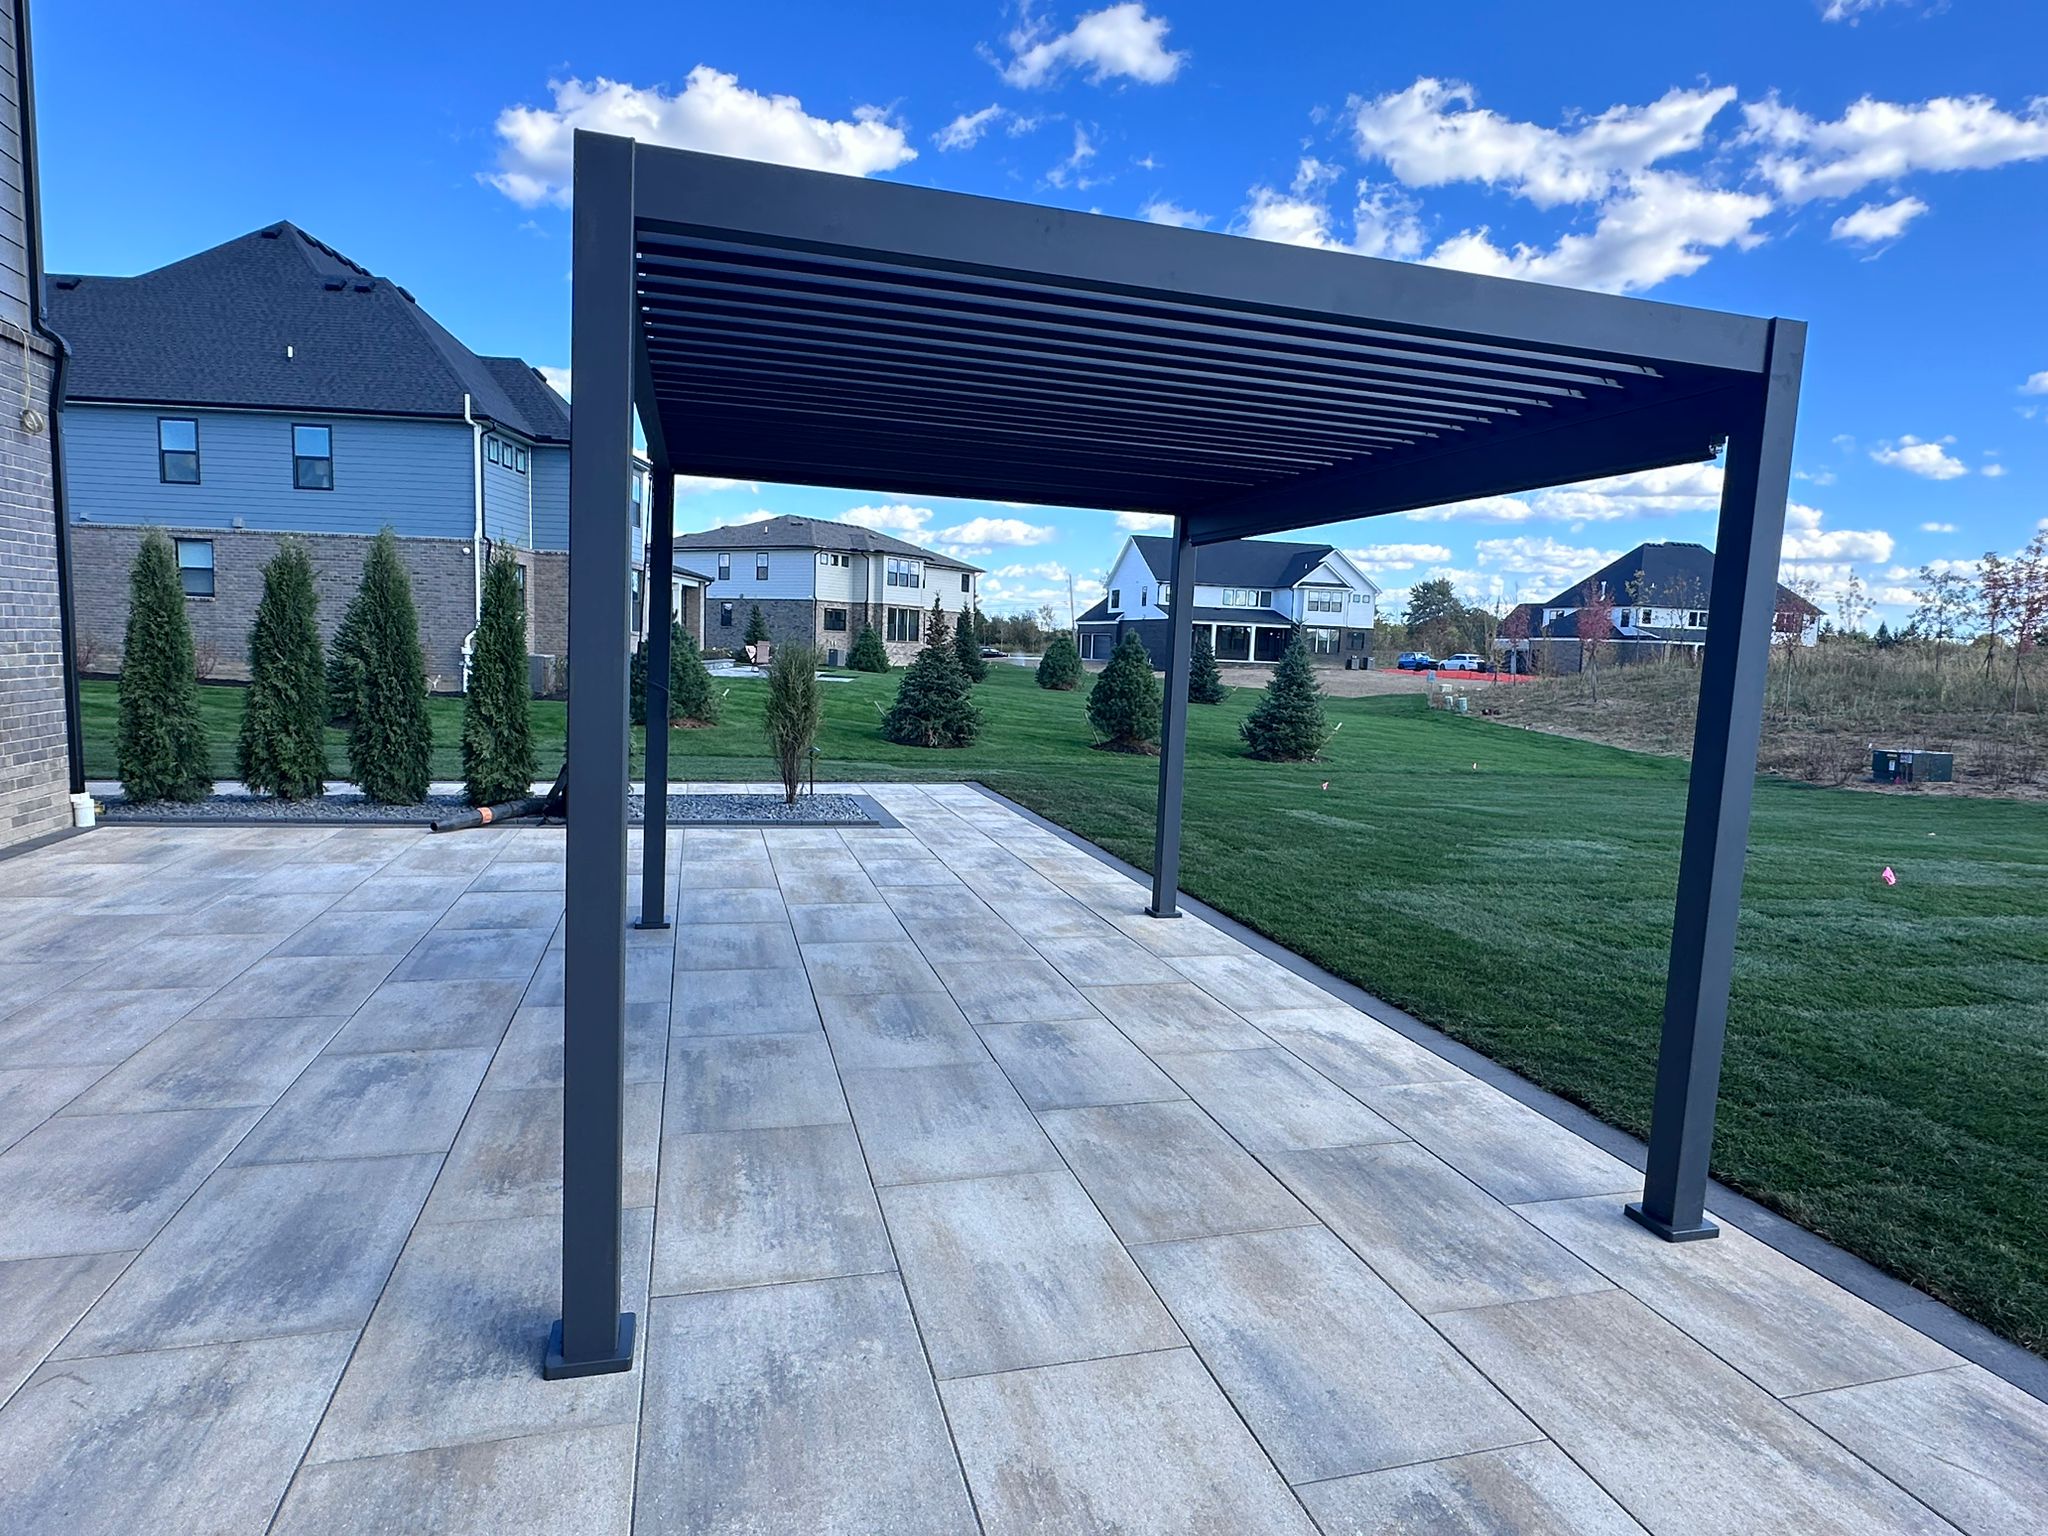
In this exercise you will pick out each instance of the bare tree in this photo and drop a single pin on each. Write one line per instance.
(1994, 598)
(2029, 591)
(1595, 622)
(1945, 607)
(1852, 606)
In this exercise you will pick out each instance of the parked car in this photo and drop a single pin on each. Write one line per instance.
(1464, 661)
(990, 651)
(1415, 661)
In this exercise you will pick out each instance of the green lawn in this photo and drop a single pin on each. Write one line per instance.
(1887, 1068)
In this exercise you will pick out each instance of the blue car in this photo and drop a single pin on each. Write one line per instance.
(1416, 661)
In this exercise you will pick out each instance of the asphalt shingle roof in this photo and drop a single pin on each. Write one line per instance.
(1266, 563)
(275, 319)
(1669, 575)
(791, 532)
(1099, 613)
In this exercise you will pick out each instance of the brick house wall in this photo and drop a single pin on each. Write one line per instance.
(35, 770)
(443, 589)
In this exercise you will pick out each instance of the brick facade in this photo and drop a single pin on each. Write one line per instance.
(35, 770)
(443, 589)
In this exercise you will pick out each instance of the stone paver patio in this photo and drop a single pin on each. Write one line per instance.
(963, 1196)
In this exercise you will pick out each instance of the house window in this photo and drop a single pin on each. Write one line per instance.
(519, 574)
(633, 613)
(1116, 600)
(966, 582)
(312, 458)
(904, 573)
(1646, 618)
(1322, 641)
(195, 567)
(725, 615)
(760, 567)
(1326, 602)
(1697, 619)
(1358, 638)
(835, 619)
(903, 624)
(725, 569)
(521, 465)
(1144, 597)
(177, 450)
(826, 557)
(490, 450)
(1166, 594)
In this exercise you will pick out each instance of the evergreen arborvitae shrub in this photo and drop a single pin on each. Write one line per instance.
(498, 761)
(160, 750)
(636, 684)
(1205, 679)
(282, 750)
(757, 626)
(345, 663)
(967, 646)
(390, 740)
(796, 704)
(1060, 666)
(1124, 703)
(934, 704)
(691, 698)
(1287, 725)
(869, 654)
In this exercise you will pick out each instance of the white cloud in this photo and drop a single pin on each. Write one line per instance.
(1043, 570)
(1483, 509)
(1163, 211)
(965, 131)
(1851, 11)
(1877, 223)
(557, 378)
(1918, 456)
(701, 485)
(713, 112)
(1378, 558)
(1937, 527)
(1881, 141)
(1664, 225)
(896, 517)
(1546, 563)
(1070, 168)
(1670, 492)
(998, 530)
(2037, 384)
(1432, 135)
(1992, 471)
(1384, 223)
(1806, 539)
(752, 517)
(1144, 522)
(1118, 42)
(1815, 476)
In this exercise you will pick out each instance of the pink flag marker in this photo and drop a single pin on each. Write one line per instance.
(1888, 877)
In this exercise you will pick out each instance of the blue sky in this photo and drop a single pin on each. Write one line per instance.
(1876, 167)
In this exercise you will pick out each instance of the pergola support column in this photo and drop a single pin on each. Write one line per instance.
(661, 560)
(1725, 738)
(593, 1336)
(1173, 724)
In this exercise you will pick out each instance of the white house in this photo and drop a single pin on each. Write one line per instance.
(820, 583)
(1249, 594)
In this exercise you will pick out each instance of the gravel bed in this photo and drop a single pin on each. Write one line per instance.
(683, 810)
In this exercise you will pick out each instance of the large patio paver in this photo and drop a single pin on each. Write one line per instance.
(1523, 1490)
(953, 1122)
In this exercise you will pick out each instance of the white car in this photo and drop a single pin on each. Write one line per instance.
(1464, 661)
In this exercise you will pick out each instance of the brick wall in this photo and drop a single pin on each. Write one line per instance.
(443, 590)
(35, 774)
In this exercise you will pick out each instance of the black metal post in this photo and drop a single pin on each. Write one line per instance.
(593, 1336)
(661, 560)
(1173, 724)
(1742, 618)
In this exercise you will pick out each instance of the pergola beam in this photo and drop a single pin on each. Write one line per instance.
(661, 579)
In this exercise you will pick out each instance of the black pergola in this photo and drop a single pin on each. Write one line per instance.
(774, 324)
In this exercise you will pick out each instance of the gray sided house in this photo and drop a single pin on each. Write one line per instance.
(270, 386)
(39, 755)
(1660, 597)
(820, 583)
(1251, 595)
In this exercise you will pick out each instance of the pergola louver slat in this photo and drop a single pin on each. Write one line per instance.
(783, 325)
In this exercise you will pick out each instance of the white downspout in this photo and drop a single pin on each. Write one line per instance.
(476, 545)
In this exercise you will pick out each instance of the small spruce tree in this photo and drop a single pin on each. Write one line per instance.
(691, 698)
(498, 762)
(934, 704)
(1287, 724)
(160, 749)
(1060, 666)
(282, 749)
(967, 646)
(869, 654)
(1205, 679)
(757, 626)
(1124, 703)
(796, 703)
(390, 740)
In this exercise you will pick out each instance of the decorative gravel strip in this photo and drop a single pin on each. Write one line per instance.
(348, 808)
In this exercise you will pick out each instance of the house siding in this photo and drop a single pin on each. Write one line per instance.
(414, 476)
(550, 498)
(507, 496)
